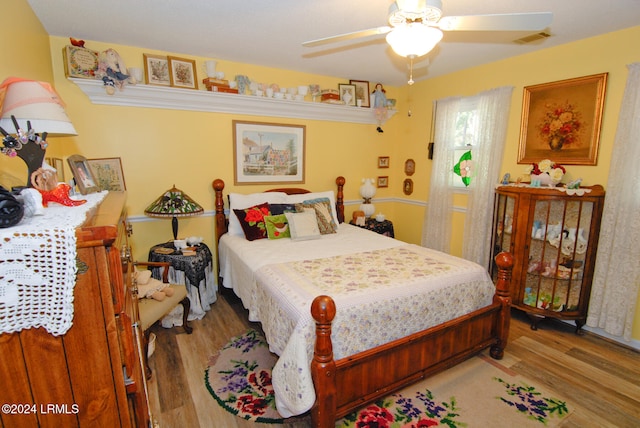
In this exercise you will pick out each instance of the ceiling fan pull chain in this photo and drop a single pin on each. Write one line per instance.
(410, 82)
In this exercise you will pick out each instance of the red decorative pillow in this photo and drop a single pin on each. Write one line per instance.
(252, 221)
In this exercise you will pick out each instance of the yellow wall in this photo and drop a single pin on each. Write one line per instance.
(25, 53)
(614, 52)
(160, 148)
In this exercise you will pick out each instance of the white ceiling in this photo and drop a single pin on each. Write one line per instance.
(270, 32)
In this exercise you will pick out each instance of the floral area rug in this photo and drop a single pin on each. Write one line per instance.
(477, 392)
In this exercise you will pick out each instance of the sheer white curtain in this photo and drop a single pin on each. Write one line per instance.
(436, 230)
(616, 279)
(492, 111)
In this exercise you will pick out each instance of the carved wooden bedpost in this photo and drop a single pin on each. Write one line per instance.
(221, 226)
(340, 198)
(323, 367)
(221, 222)
(504, 261)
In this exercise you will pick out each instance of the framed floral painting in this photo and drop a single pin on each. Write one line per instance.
(182, 73)
(561, 121)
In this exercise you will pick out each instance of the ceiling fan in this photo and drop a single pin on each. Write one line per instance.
(415, 26)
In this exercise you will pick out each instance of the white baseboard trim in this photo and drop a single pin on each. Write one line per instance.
(633, 343)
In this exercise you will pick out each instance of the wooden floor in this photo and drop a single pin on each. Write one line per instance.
(601, 379)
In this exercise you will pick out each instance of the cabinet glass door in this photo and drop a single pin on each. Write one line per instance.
(558, 244)
(503, 228)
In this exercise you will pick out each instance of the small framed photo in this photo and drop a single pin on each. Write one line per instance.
(108, 173)
(82, 174)
(362, 92)
(407, 186)
(347, 94)
(182, 73)
(156, 70)
(409, 167)
(383, 181)
(383, 161)
(58, 165)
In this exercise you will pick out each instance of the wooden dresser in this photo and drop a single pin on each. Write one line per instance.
(92, 376)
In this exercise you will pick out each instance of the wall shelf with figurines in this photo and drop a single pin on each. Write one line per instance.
(219, 102)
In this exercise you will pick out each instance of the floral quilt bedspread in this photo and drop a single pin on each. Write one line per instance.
(380, 296)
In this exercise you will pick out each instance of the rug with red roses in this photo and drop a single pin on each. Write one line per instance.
(477, 392)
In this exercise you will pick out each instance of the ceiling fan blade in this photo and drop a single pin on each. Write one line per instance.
(499, 22)
(347, 36)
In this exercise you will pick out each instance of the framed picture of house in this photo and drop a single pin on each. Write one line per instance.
(362, 92)
(562, 120)
(108, 173)
(182, 73)
(156, 70)
(268, 152)
(82, 174)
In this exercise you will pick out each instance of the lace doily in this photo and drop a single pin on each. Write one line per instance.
(38, 268)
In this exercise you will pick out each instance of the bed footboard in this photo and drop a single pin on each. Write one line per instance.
(344, 385)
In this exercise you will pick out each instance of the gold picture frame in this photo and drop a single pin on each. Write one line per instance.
(562, 120)
(82, 174)
(108, 173)
(80, 62)
(268, 153)
(182, 73)
(156, 70)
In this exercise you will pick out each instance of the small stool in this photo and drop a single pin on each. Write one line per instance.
(152, 311)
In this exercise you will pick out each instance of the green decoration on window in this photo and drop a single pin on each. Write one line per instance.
(464, 167)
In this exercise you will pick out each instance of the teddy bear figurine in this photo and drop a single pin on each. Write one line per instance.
(113, 71)
(151, 288)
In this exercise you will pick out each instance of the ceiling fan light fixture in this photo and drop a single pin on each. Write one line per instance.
(413, 40)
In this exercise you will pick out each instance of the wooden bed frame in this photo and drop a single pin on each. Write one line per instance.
(344, 385)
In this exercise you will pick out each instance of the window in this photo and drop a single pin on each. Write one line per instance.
(475, 126)
(465, 140)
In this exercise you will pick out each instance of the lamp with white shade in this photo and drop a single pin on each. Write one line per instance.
(367, 191)
(27, 106)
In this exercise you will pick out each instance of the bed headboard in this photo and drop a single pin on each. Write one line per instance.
(222, 221)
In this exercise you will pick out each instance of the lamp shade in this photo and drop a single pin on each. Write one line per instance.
(36, 102)
(413, 40)
(33, 110)
(174, 203)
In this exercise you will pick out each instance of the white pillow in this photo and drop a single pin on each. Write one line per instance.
(297, 199)
(238, 201)
(303, 225)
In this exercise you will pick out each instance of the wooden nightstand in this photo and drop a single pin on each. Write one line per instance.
(382, 227)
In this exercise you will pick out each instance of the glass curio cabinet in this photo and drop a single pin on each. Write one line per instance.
(553, 236)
